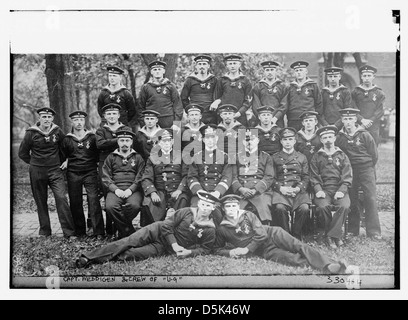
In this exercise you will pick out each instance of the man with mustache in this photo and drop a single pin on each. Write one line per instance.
(331, 177)
(106, 142)
(188, 232)
(198, 89)
(80, 149)
(241, 234)
(121, 175)
(41, 149)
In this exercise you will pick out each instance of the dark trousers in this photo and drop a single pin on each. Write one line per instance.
(375, 133)
(364, 178)
(41, 178)
(88, 180)
(281, 218)
(123, 211)
(281, 247)
(333, 225)
(142, 244)
(109, 227)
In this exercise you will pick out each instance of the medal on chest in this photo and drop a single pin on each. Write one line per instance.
(307, 91)
(374, 97)
(338, 96)
(337, 161)
(164, 175)
(205, 169)
(88, 145)
(133, 162)
(358, 142)
(115, 98)
(285, 168)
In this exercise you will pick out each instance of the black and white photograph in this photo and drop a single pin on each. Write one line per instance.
(210, 147)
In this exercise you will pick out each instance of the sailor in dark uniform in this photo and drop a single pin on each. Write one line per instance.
(254, 177)
(290, 195)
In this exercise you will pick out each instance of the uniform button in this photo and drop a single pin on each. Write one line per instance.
(206, 184)
(284, 177)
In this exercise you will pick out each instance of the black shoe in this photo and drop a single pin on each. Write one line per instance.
(82, 262)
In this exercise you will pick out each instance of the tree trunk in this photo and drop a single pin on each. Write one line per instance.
(171, 60)
(87, 103)
(338, 60)
(61, 89)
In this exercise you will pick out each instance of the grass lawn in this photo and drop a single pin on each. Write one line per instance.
(32, 256)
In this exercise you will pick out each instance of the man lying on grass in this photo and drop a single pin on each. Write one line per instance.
(241, 233)
(188, 232)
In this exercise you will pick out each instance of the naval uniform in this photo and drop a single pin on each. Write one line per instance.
(301, 98)
(210, 171)
(82, 155)
(191, 140)
(42, 151)
(201, 92)
(229, 139)
(163, 98)
(255, 172)
(307, 145)
(106, 142)
(269, 140)
(271, 243)
(119, 172)
(291, 170)
(122, 97)
(370, 102)
(362, 152)
(331, 173)
(156, 239)
(273, 95)
(334, 101)
(163, 175)
(236, 91)
(145, 141)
